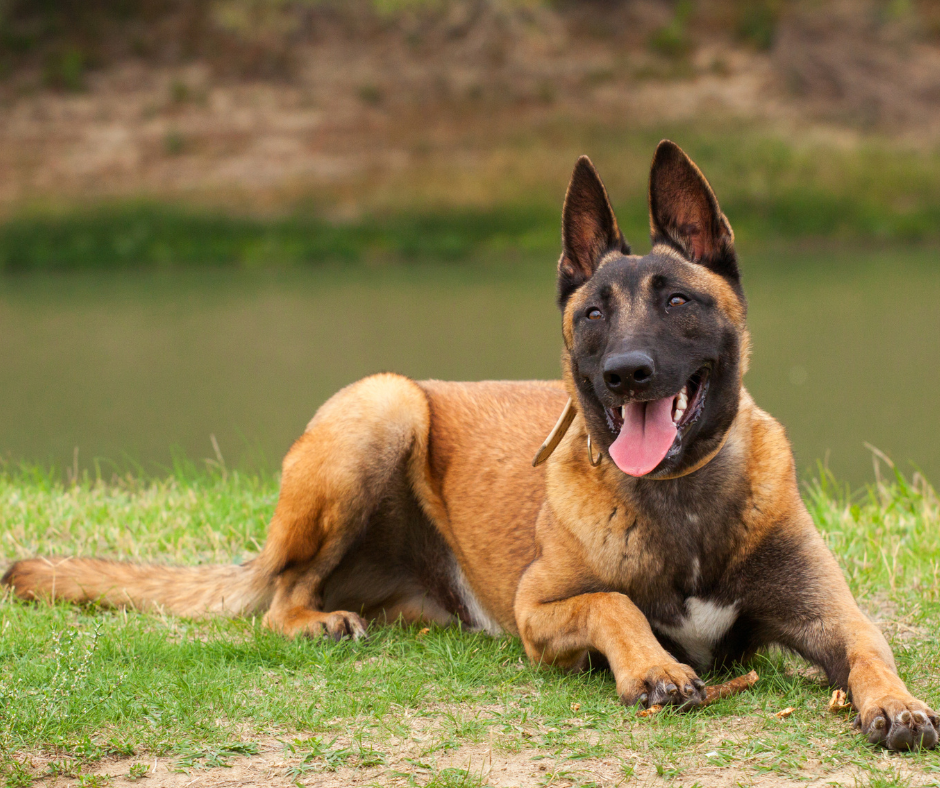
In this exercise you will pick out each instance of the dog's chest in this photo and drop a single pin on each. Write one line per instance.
(700, 627)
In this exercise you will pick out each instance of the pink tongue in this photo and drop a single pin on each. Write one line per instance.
(647, 434)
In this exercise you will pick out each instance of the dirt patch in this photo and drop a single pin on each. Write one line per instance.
(733, 750)
(267, 767)
(483, 762)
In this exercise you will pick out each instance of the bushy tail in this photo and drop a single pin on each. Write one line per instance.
(191, 591)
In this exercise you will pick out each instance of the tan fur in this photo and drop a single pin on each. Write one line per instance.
(709, 282)
(194, 592)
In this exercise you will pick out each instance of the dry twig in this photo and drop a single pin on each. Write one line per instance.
(729, 688)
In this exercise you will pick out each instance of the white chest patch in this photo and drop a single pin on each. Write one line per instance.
(478, 616)
(703, 625)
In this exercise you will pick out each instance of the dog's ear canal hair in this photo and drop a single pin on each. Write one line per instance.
(588, 230)
(684, 213)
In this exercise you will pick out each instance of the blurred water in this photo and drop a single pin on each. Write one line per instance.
(127, 366)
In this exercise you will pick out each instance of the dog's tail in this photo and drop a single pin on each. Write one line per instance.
(190, 591)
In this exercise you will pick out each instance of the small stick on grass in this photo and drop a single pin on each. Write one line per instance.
(730, 688)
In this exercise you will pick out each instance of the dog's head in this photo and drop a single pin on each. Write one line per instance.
(655, 346)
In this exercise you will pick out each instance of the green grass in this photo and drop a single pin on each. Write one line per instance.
(159, 236)
(92, 694)
(770, 188)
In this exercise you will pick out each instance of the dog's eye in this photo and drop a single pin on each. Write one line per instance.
(677, 300)
(594, 314)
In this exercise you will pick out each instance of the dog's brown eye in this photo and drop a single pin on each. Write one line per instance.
(594, 314)
(677, 300)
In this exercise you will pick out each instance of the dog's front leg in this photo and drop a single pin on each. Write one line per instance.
(817, 616)
(888, 713)
(560, 625)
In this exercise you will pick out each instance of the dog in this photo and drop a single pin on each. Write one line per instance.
(661, 530)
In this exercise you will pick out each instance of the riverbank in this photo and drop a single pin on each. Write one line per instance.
(771, 191)
(239, 133)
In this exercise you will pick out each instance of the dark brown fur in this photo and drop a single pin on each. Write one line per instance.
(417, 501)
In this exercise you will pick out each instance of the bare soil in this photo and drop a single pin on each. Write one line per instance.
(485, 762)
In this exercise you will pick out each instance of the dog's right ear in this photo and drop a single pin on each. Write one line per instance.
(588, 230)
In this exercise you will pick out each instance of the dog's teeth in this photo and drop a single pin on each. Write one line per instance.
(682, 400)
(623, 412)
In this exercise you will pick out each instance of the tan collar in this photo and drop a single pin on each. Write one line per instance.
(564, 422)
(557, 433)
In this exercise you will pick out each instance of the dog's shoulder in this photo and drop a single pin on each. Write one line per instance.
(773, 495)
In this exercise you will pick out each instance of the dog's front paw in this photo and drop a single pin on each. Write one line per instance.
(899, 723)
(669, 684)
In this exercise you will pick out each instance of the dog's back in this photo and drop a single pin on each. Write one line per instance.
(432, 482)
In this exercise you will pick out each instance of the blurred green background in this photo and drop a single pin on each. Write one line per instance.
(214, 214)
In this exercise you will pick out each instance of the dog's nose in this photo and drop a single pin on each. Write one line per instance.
(631, 371)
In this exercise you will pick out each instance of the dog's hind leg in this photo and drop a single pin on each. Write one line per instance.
(357, 447)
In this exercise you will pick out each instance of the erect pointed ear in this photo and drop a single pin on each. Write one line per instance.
(684, 212)
(588, 229)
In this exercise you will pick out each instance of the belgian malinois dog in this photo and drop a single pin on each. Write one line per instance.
(664, 530)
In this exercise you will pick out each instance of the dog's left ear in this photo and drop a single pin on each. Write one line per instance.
(684, 212)
(588, 230)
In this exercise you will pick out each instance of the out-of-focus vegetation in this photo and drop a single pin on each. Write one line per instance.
(770, 190)
(153, 235)
(69, 38)
(439, 129)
